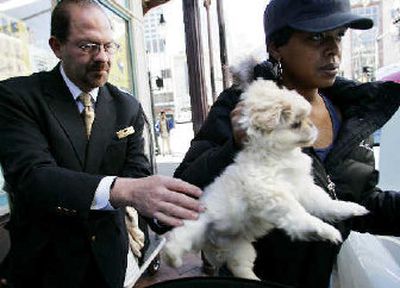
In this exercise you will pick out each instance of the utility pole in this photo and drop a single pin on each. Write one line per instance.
(194, 52)
(222, 44)
(207, 4)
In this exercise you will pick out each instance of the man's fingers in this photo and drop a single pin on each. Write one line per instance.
(183, 200)
(168, 220)
(178, 211)
(184, 187)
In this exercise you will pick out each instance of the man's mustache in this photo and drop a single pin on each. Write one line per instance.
(99, 66)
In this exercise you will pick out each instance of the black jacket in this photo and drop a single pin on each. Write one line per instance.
(350, 165)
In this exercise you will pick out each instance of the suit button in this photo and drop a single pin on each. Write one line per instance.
(93, 238)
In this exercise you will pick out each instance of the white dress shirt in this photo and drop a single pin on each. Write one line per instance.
(101, 200)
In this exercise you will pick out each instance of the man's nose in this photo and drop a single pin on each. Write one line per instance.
(102, 55)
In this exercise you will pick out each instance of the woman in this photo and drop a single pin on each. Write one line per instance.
(304, 43)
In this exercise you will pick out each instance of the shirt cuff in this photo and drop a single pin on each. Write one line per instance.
(101, 200)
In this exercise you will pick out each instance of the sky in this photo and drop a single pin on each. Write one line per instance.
(244, 24)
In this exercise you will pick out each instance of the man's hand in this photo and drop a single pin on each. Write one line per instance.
(239, 134)
(166, 199)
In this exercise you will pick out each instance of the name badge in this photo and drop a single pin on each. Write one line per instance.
(125, 132)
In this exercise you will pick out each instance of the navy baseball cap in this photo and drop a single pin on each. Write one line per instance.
(311, 16)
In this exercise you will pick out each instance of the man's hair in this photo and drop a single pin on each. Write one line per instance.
(60, 17)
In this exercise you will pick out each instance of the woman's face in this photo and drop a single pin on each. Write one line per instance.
(311, 60)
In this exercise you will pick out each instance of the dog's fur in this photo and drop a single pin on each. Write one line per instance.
(268, 186)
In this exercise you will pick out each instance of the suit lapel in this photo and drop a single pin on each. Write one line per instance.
(102, 130)
(64, 108)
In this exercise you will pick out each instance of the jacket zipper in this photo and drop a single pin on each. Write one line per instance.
(322, 174)
(331, 187)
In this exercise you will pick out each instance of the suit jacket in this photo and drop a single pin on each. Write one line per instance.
(52, 172)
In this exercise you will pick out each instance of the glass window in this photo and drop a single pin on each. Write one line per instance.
(121, 71)
(24, 32)
(122, 2)
(155, 46)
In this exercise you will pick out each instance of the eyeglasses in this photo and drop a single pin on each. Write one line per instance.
(94, 48)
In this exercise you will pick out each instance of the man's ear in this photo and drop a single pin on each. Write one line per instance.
(56, 46)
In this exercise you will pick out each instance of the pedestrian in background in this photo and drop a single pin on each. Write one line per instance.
(164, 126)
(72, 154)
(304, 44)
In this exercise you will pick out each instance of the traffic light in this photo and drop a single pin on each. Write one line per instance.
(159, 82)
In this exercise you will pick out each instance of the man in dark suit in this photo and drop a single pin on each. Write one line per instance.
(69, 185)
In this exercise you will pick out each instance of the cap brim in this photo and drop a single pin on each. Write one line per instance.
(333, 21)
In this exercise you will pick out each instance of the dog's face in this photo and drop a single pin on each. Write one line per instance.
(277, 117)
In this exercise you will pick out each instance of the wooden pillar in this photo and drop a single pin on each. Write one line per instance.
(195, 63)
(207, 4)
(222, 45)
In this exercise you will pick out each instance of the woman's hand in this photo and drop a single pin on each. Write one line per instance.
(239, 134)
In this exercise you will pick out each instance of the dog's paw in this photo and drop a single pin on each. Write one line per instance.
(242, 272)
(171, 257)
(312, 228)
(342, 210)
(252, 277)
(330, 233)
(359, 210)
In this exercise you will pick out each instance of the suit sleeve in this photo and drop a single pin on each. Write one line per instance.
(28, 166)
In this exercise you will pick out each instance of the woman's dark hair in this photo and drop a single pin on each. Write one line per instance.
(60, 17)
(280, 38)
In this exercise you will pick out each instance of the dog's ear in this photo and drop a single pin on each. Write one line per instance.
(265, 118)
(286, 112)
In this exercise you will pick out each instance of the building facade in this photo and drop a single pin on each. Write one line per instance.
(367, 54)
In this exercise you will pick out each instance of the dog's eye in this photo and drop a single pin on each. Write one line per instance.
(296, 125)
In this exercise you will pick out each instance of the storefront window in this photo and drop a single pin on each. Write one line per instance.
(24, 32)
(122, 2)
(121, 72)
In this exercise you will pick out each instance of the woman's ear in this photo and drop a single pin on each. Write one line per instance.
(273, 51)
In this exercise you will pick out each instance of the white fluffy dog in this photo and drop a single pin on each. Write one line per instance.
(268, 186)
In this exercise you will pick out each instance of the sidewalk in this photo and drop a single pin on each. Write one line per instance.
(180, 138)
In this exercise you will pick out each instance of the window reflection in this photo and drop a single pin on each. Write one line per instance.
(121, 72)
(122, 2)
(24, 33)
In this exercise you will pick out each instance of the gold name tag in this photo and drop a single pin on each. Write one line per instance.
(125, 132)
